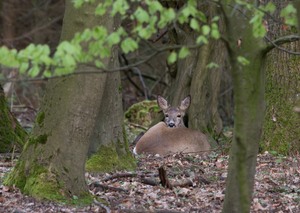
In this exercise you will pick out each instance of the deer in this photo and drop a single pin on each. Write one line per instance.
(171, 135)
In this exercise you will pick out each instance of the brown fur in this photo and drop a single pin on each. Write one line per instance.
(162, 140)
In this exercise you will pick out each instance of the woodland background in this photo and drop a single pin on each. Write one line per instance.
(205, 74)
(40, 22)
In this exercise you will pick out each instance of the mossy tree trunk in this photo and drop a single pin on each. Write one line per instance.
(12, 135)
(71, 121)
(248, 88)
(281, 127)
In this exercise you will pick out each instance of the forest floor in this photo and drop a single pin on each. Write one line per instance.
(192, 184)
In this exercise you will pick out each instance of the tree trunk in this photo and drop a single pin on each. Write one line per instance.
(297, 6)
(70, 121)
(248, 87)
(12, 135)
(281, 127)
(195, 78)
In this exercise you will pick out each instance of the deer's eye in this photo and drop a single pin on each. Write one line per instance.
(178, 116)
(166, 115)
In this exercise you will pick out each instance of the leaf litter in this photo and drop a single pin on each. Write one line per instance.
(192, 184)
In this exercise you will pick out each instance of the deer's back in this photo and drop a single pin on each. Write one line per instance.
(162, 140)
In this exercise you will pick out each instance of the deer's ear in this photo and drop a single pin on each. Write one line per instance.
(162, 103)
(185, 103)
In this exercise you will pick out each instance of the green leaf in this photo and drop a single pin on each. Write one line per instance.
(201, 40)
(141, 15)
(78, 3)
(205, 30)
(172, 57)
(202, 17)
(215, 31)
(99, 64)
(215, 18)
(183, 53)
(129, 45)
(243, 61)
(105, 52)
(167, 16)
(68, 60)
(113, 38)
(270, 7)
(47, 73)
(99, 33)
(33, 71)
(194, 24)
(101, 9)
(259, 30)
(119, 6)
(23, 67)
(9, 57)
(212, 65)
(289, 15)
(154, 6)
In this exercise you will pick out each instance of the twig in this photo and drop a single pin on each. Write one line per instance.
(105, 187)
(102, 205)
(120, 175)
(280, 41)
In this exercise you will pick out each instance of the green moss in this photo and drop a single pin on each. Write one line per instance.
(41, 139)
(39, 182)
(142, 113)
(107, 159)
(40, 119)
(12, 135)
(281, 126)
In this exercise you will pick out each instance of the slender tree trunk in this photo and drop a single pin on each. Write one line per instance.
(249, 84)
(52, 164)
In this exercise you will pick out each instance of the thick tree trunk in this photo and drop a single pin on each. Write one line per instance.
(281, 127)
(53, 161)
(249, 83)
(12, 135)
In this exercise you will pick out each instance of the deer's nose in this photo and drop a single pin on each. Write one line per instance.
(171, 125)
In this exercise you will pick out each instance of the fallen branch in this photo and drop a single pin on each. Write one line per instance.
(149, 181)
(105, 187)
(119, 175)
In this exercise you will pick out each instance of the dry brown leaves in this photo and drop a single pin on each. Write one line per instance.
(198, 185)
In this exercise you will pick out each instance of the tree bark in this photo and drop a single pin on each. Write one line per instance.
(194, 78)
(12, 135)
(281, 127)
(70, 120)
(297, 6)
(248, 87)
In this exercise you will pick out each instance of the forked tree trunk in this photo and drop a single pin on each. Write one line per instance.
(52, 164)
(249, 84)
(195, 78)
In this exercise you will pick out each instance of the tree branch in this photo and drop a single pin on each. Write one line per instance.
(96, 70)
(282, 40)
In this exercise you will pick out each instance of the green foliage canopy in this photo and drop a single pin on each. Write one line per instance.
(148, 17)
